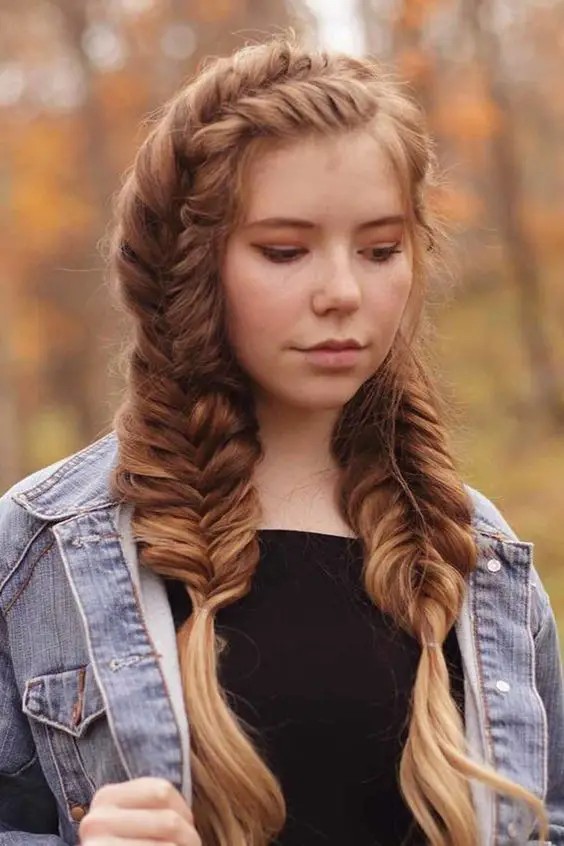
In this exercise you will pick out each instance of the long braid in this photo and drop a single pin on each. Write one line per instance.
(188, 439)
(414, 517)
(186, 459)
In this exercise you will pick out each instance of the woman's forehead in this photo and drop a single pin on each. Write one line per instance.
(348, 176)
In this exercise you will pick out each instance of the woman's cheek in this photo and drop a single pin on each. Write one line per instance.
(391, 297)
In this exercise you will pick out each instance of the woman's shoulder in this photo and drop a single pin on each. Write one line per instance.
(498, 538)
(76, 483)
(488, 517)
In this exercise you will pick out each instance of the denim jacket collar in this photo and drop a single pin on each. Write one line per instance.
(75, 485)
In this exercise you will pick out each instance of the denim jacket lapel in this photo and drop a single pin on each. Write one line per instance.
(502, 702)
(125, 662)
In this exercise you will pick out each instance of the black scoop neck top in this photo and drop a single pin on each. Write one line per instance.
(323, 679)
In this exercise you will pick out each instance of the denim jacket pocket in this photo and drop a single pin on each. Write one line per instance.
(69, 700)
(65, 710)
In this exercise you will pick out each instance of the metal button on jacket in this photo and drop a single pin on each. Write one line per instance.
(78, 812)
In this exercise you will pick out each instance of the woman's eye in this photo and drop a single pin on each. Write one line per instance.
(280, 254)
(382, 254)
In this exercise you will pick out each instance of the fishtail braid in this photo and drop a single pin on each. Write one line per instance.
(186, 457)
(415, 518)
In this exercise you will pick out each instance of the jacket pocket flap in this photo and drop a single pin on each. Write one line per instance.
(69, 700)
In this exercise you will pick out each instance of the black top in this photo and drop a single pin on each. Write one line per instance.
(325, 679)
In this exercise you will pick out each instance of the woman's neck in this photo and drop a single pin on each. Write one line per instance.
(297, 477)
(296, 439)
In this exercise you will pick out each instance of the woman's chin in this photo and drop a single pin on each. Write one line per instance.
(327, 399)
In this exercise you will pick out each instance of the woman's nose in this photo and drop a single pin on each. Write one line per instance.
(337, 289)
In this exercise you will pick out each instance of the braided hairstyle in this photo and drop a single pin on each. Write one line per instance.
(189, 441)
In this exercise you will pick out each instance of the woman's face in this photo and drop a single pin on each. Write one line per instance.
(321, 256)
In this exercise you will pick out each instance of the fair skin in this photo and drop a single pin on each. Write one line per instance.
(346, 275)
(321, 253)
(141, 812)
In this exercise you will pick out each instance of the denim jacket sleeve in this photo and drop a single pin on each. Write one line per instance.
(28, 812)
(549, 681)
(28, 809)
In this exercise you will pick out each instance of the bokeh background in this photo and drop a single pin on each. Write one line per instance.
(79, 80)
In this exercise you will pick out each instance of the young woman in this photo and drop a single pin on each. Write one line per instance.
(265, 608)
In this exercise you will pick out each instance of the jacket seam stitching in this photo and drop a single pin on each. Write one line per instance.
(532, 641)
(546, 618)
(58, 771)
(487, 721)
(19, 560)
(86, 455)
(22, 769)
(159, 665)
(29, 577)
(81, 765)
(70, 511)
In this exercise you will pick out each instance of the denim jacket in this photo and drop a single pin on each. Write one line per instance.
(90, 689)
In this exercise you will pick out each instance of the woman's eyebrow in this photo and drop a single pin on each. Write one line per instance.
(383, 221)
(279, 222)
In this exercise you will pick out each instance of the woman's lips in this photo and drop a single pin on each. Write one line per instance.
(333, 359)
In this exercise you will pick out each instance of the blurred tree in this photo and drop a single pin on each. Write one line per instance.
(79, 83)
(455, 55)
(510, 201)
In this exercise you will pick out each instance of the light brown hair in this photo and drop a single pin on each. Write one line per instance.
(189, 440)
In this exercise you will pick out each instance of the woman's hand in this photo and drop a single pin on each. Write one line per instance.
(138, 812)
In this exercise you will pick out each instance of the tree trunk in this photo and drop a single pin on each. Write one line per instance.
(521, 257)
